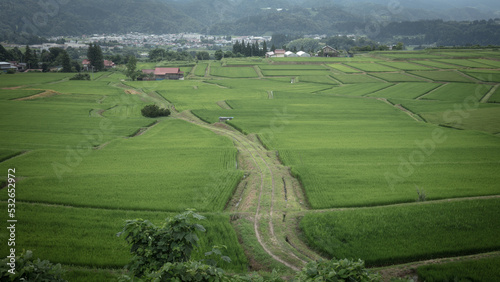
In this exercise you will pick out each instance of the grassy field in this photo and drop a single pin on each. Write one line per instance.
(410, 90)
(371, 67)
(30, 79)
(187, 179)
(355, 78)
(495, 98)
(201, 69)
(445, 76)
(459, 92)
(491, 63)
(292, 67)
(357, 89)
(298, 72)
(397, 77)
(329, 141)
(318, 79)
(485, 75)
(383, 236)
(87, 237)
(405, 66)
(435, 64)
(407, 55)
(464, 63)
(233, 72)
(344, 68)
(484, 269)
(87, 160)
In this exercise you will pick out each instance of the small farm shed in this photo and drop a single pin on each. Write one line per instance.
(279, 53)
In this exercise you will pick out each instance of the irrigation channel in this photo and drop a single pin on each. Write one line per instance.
(273, 200)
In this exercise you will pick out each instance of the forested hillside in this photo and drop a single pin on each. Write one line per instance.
(23, 19)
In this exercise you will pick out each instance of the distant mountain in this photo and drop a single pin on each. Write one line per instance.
(76, 17)
(225, 17)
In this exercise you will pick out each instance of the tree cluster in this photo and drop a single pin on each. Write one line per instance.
(55, 57)
(160, 54)
(152, 111)
(94, 55)
(249, 50)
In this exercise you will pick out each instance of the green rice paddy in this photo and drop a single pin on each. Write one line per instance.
(361, 134)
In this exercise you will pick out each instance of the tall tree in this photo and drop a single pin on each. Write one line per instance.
(66, 62)
(131, 67)
(94, 54)
(219, 55)
(27, 56)
(264, 48)
(4, 54)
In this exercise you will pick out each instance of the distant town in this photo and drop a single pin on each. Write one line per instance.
(185, 41)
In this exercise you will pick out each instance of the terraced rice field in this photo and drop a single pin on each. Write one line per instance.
(355, 78)
(464, 63)
(459, 92)
(411, 90)
(368, 149)
(458, 228)
(344, 68)
(231, 72)
(407, 66)
(447, 76)
(397, 77)
(485, 75)
(371, 67)
(435, 64)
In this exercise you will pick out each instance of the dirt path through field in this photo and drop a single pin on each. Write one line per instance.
(263, 195)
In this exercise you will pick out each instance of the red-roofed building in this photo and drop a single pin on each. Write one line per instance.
(165, 73)
(109, 64)
(86, 64)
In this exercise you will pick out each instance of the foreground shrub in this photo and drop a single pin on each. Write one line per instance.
(153, 111)
(336, 270)
(28, 269)
(81, 76)
(154, 246)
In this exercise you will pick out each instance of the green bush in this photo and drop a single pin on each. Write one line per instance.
(28, 269)
(81, 76)
(154, 246)
(336, 270)
(153, 111)
(11, 71)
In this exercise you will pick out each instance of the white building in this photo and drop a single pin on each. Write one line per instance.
(303, 54)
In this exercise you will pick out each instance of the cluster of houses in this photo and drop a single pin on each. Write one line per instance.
(280, 53)
(326, 51)
(13, 65)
